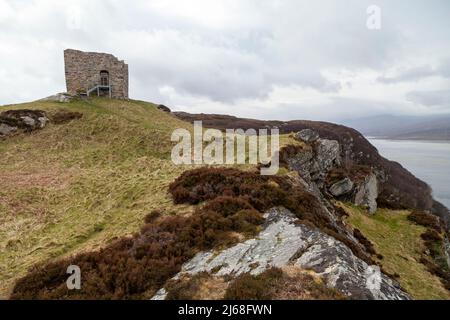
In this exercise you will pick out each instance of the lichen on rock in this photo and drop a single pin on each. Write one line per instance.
(283, 242)
(367, 193)
(342, 187)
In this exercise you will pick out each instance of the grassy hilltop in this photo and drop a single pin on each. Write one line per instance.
(76, 186)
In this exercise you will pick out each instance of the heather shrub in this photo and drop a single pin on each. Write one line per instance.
(152, 216)
(434, 257)
(181, 289)
(425, 219)
(249, 287)
(431, 235)
(62, 117)
(353, 171)
(274, 284)
(261, 192)
(135, 267)
(246, 221)
(227, 205)
(364, 241)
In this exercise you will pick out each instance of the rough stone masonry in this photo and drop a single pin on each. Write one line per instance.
(88, 70)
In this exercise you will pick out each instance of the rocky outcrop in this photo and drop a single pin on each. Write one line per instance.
(283, 242)
(327, 156)
(342, 187)
(164, 108)
(441, 211)
(307, 135)
(314, 164)
(59, 97)
(367, 193)
(13, 121)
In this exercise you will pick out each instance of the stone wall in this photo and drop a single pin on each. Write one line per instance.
(83, 72)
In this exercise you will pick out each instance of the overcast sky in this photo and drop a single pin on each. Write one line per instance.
(274, 59)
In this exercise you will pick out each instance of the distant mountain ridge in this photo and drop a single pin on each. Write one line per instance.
(403, 127)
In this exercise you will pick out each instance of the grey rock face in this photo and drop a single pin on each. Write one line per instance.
(282, 242)
(160, 295)
(328, 154)
(367, 193)
(342, 187)
(302, 163)
(307, 135)
(314, 165)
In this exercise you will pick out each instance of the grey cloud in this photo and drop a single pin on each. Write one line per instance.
(413, 74)
(266, 45)
(438, 98)
(444, 68)
(335, 110)
(233, 52)
(418, 73)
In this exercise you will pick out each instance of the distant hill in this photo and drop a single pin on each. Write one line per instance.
(403, 127)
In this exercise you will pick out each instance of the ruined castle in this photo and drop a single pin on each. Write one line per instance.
(92, 73)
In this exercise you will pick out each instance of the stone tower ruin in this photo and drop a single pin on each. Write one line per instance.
(89, 73)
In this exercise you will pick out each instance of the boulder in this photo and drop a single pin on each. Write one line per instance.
(6, 130)
(282, 242)
(164, 108)
(307, 135)
(367, 193)
(28, 121)
(342, 187)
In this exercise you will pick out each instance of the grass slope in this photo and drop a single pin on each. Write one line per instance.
(398, 240)
(75, 187)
